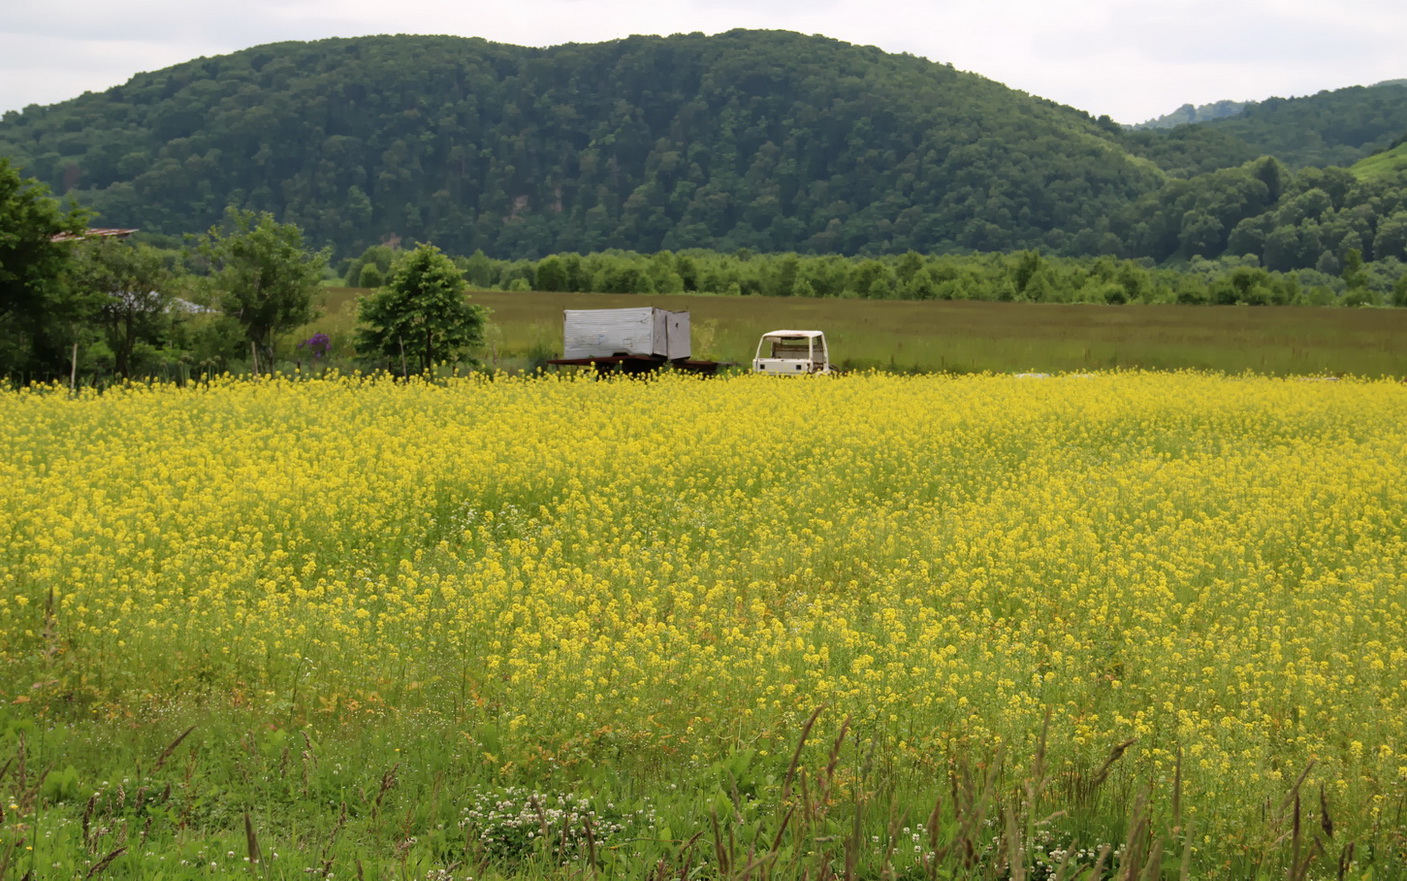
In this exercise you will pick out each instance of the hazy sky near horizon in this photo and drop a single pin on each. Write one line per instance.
(1130, 59)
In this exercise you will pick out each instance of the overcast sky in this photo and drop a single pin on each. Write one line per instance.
(1131, 59)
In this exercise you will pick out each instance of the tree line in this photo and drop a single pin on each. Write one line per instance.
(94, 301)
(1028, 276)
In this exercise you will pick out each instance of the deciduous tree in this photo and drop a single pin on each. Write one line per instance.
(131, 282)
(39, 309)
(263, 275)
(422, 313)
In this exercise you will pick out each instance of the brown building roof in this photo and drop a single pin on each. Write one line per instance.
(93, 234)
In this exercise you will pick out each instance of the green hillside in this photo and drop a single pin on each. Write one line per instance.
(768, 141)
(1189, 113)
(765, 140)
(1336, 127)
(1389, 165)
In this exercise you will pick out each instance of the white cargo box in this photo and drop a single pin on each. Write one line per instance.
(645, 332)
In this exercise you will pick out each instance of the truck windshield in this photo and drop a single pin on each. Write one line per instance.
(791, 347)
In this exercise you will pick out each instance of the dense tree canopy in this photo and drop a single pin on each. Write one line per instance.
(1331, 128)
(1023, 276)
(768, 140)
(38, 307)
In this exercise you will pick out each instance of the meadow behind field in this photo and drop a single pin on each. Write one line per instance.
(549, 627)
(964, 336)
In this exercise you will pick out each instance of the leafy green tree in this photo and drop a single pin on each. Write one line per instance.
(1355, 280)
(39, 310)
(1399, 292)
(133, 283)
(1390, 239)
(379, 258)
(262, 275)
(1200, 234)
(370, 276)
(552, 274)
(422, 313)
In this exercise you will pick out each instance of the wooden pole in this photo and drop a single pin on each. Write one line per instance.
(253, 358)
(73, 371)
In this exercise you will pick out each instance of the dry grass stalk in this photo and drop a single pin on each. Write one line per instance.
(1098, 871)
(1294, 792)
(7, 855)
(50, 634)
(1185, 871)
(309, 759)
(1153, 866)
(1015, 850)
(1131, 857)
(326, 868)
(388, 780)
(101, 865)
(897, 819)
(1177, 790)
(1345, 860)
(796, 755)
(688, 852)
(1295, 834)
(782, 827)
(88, 841)
(1103, 773)
(1325, 821)
(251, 842)
(170, 748)
(1064, 863)
(590, 843)
(719, 853)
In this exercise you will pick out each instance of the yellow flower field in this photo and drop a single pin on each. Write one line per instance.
(658, 573)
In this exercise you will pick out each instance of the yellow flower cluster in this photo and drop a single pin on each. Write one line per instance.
(1211, 565)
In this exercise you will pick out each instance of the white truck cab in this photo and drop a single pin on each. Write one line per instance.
(792, 353)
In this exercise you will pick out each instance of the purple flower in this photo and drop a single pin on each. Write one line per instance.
(317, 344)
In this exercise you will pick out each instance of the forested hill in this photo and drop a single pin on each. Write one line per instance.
(1331, 128)
(767, 140)
(1189, 113)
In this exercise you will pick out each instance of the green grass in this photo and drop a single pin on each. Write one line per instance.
(966, 336)
(1388, 164)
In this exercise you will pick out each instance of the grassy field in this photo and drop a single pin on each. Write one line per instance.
(963, 337)
(870, 626)
(1386, 165)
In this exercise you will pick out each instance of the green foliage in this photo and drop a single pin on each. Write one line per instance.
(1308, 219)
(262, 275)
(769, 140)
(134, 283)
(1189, 113)
(1336, 127)
(1024, 276)
(371, 268)
(1389, 164)
(422, 313)
(1399, 292)
(39, 309)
